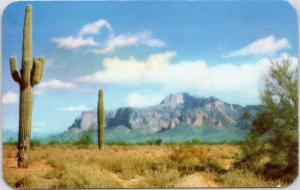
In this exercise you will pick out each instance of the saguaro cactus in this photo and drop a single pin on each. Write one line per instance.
(101, 120)
(30, 74)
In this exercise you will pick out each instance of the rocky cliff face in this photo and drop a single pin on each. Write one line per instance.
(174, 110)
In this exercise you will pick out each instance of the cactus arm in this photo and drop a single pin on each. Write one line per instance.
(13, 69)
(26, 72)
(37, 70)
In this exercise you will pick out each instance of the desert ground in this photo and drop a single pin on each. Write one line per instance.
(130, 166)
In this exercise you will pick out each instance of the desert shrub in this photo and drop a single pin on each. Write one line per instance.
(85, 140)
(188, 159)
(55, 141)
(163, 178)
(193, 141)
(254, 154)
(130, 164)
(194, 158)
(86, 177)
(153, 142)
(214, 165)
(108, 162)
(35, 143)
(72, 174)
(245, 178)
(78, 168)
(122, 143)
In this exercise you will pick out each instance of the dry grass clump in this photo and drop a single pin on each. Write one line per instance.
(161, 178)
(74, 170)
(193, 158)
(129, 163)
(245, 178)
(86, 177)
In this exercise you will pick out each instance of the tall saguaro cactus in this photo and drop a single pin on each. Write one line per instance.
(30, 74)
(101, 120)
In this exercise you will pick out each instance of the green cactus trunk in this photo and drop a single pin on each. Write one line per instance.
(101, 120)
(30, 74)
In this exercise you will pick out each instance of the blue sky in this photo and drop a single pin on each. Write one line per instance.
(139, 52)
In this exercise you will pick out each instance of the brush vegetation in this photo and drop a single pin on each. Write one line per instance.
(179, 165)
(272, 145)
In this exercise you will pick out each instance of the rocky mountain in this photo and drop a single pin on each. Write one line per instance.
(175, 110)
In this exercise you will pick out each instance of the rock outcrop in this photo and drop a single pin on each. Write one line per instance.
(173, 111)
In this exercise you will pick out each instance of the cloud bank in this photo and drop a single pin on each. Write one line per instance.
(158, 69)
(265, 45)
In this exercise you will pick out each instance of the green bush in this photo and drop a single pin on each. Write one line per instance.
(35, 142)
(122, 143)
(85, 139)
(54, 141)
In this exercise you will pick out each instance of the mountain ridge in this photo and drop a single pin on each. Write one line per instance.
(173, 111)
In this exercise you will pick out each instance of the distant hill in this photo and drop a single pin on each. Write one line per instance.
(178, 117)
(9, 135)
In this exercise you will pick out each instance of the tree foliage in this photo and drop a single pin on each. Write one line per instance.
(272, 145)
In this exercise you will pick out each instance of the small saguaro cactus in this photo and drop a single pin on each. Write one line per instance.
(30, 74)
(101, 120)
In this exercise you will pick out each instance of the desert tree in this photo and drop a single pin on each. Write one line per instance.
(272, 144)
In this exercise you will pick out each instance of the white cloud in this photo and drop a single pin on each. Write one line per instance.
(72, 42)
(95, 27)
(73, 108)
(143, 99)
(144, 38)
(10, 98)
(265, 45)
(56, 84)
(184, 75)
(118, 70)
(111, 43)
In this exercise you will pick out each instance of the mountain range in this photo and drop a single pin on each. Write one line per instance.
(177, 117)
